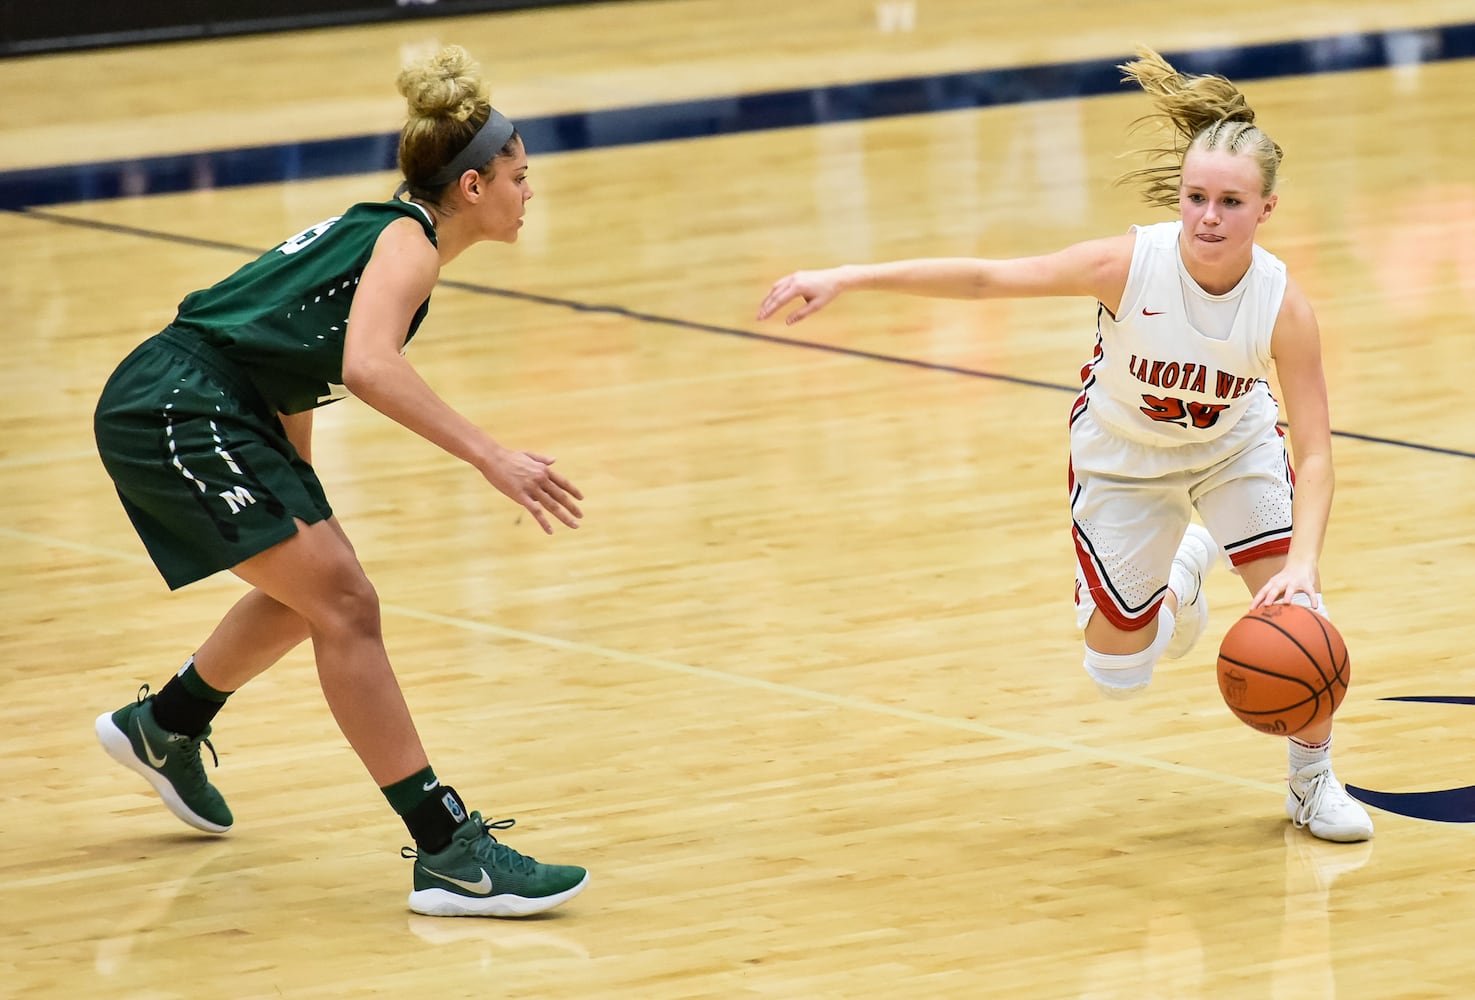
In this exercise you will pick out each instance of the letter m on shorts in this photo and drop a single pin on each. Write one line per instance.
(238, 498)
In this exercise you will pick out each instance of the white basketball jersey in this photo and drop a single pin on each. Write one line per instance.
(1177, 365)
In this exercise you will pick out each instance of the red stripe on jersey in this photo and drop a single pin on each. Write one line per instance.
(1274, 547)
(1096, 353)
(1102, 596)
(1290, 469)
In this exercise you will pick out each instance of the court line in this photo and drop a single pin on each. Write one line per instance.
(795, 691)
(824, 697)
(681, 324)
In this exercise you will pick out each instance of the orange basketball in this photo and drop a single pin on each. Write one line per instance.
(1282, 668)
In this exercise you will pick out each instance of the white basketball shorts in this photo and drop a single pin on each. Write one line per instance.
(1130, 504)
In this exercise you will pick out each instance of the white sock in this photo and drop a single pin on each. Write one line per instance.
(1302, 753)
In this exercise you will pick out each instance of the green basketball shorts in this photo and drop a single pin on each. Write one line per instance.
(200, 461)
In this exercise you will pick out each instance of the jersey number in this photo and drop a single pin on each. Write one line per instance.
(1172, 410)
(305, 237)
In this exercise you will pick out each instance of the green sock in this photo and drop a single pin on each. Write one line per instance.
(432, 812)
(187, 704)
(406, 794)
(194, 684)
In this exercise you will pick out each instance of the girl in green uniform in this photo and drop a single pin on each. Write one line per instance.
(206, 429)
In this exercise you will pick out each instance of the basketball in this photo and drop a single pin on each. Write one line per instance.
(1282, 668)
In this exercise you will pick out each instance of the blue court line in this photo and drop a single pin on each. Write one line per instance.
(733, 114)
(680, 324)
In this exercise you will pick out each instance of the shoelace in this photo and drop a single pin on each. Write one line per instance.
(1311, 800)
(498, 853)
(191, 750)
(490, 850)
(190, 747)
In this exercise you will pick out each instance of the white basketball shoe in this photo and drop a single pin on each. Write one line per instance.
(1316, 801)
(1197, 554)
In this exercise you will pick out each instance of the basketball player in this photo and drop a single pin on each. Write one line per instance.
(1175, 414)
(206, 429)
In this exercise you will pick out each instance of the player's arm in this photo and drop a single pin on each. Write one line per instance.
(299, 431)
(400, 276)
(1296, 348)
(1095, 268)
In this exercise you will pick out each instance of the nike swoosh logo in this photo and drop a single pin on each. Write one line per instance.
(1149, 312)
(430, 785)
(148, 751)
(481, 888)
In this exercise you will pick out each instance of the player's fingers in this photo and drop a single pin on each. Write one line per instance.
(1296, 590)
(798, 314)
(557, 501)
(536, 509)
(549, 503)
(1266, 595)
(781, 292)
(565, 485)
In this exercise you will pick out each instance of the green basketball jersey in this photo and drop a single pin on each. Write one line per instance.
(283, 317)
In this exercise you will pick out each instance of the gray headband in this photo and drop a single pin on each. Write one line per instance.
(481, 150)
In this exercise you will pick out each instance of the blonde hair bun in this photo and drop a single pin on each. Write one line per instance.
(446, 85)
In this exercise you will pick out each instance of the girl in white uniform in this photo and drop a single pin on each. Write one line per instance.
(1175, 414)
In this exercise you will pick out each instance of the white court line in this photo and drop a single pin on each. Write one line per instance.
(82, 547)
(843, 701)
(737, 680)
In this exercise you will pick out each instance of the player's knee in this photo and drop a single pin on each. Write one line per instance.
(1120, 675)
(1127, 674)
(347, 605)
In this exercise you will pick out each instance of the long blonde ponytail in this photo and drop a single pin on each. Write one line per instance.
(1201, 112)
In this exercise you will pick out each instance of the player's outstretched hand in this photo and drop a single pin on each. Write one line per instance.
(816, 288)
(528, 479)
(1281, 587)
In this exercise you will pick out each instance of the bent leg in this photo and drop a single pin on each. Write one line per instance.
(1121, 662)
(254, 634)
(1121, 653)
(1126, 534)
(316, 574)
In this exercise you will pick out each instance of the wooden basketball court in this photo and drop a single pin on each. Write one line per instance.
(804, 691)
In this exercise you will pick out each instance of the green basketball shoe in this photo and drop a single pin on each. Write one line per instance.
(168, 761)
(476, 876)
